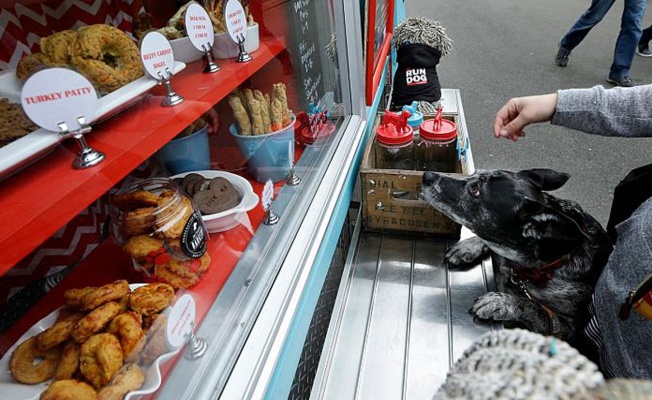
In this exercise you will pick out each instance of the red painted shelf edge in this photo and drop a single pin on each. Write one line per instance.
(21, 234)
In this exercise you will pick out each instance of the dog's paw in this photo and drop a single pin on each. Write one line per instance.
(466, 253)
(495, 307)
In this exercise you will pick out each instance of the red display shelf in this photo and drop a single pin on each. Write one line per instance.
(43, 197)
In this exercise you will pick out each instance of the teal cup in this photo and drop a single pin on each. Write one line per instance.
(188, 153)
(269, 156)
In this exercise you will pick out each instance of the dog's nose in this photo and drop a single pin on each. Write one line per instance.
(429, 178)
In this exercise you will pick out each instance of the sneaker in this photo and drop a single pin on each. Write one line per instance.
(644, 51)
(561, 59)
(624, 81)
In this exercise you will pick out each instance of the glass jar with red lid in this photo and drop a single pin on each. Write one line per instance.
(395, 142)
(437, 150)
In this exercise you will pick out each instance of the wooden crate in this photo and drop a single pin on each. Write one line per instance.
(390, 197)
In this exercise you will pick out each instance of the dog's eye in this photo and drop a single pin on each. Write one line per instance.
(475, 190)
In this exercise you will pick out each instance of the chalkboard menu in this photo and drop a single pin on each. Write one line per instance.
(307, 45)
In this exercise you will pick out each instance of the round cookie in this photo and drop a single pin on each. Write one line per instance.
(188, 181)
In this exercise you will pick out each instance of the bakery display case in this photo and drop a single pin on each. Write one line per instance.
(280, 135)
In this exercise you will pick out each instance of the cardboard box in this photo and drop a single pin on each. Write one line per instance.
(391, 198)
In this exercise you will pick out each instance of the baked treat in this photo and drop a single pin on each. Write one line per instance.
(141, 247)
(101, 357)
(192, 268)
(106, 56)
(14, 124)
(220, 196)
(135, 200)
(264, 110)
(177, 281)
(55, 48)
(29, 65)
(240, 114)
(127, 327)
(69, 361)
(95, 321)
(57, 333)
(30, 365)
(69, 389)
(171, 221)
(151, 299)
(110, 292)
(130, 377)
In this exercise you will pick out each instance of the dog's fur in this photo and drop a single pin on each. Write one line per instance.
(522, 226)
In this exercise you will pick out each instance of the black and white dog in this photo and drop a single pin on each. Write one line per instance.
(547, 252)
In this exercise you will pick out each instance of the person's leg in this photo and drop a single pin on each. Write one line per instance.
(644, 42)
(628, 37)
(586, 21)
(626, 344)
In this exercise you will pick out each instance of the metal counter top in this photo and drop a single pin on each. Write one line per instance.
(400, 319)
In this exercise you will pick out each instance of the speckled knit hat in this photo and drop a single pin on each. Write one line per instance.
(519, 364)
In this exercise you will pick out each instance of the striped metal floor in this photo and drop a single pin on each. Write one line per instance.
(400, 319)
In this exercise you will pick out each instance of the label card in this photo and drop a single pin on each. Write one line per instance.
(56, 95)
(199, 27)
(181, 321)
(156, 55)
(236, 20)
(268, 194)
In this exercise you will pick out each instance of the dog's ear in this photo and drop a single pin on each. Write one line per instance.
(552, 231)
(545, 179)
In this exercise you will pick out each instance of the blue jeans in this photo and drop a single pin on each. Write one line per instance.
(628, 37)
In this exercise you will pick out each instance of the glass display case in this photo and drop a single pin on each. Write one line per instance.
(284, 129)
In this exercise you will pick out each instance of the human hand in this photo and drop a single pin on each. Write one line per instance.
(522, 111)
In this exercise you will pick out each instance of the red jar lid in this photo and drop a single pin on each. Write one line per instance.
(388, 134)
(323, 132)
(443, 133)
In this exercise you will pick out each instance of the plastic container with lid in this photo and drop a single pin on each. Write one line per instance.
(437, 150)
(395, 142)
(415, 120)
(159, 226)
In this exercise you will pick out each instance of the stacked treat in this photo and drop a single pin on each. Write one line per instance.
(105, 55)
(257, 113)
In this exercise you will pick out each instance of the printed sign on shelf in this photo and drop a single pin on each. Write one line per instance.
(236, 20)
(181, 321)
(56, 95)
(199, 27)
(156, 55)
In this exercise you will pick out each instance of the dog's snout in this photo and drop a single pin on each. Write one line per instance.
(429, 178)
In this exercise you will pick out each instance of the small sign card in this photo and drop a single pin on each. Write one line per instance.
(236, 20)
(59, 95)
(181, 321)
(199, 27)
(156, 55)
(268, 195)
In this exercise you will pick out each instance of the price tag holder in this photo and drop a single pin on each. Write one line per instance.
(270, 217)
(61, 100)
(158, 60)
(236, 24)
(180, 328)
(201, 34)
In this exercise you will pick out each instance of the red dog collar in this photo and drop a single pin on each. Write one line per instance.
(539, 277)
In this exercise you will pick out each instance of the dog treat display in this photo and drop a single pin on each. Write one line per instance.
(211, 196)
(159, 227)
(104, 363)
(105, 55)
(258, 113)
(14, 124)
(176, 25)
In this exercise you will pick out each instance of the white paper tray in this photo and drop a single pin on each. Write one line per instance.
(32, 146)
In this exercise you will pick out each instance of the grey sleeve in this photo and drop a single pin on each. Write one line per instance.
(619, 111)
